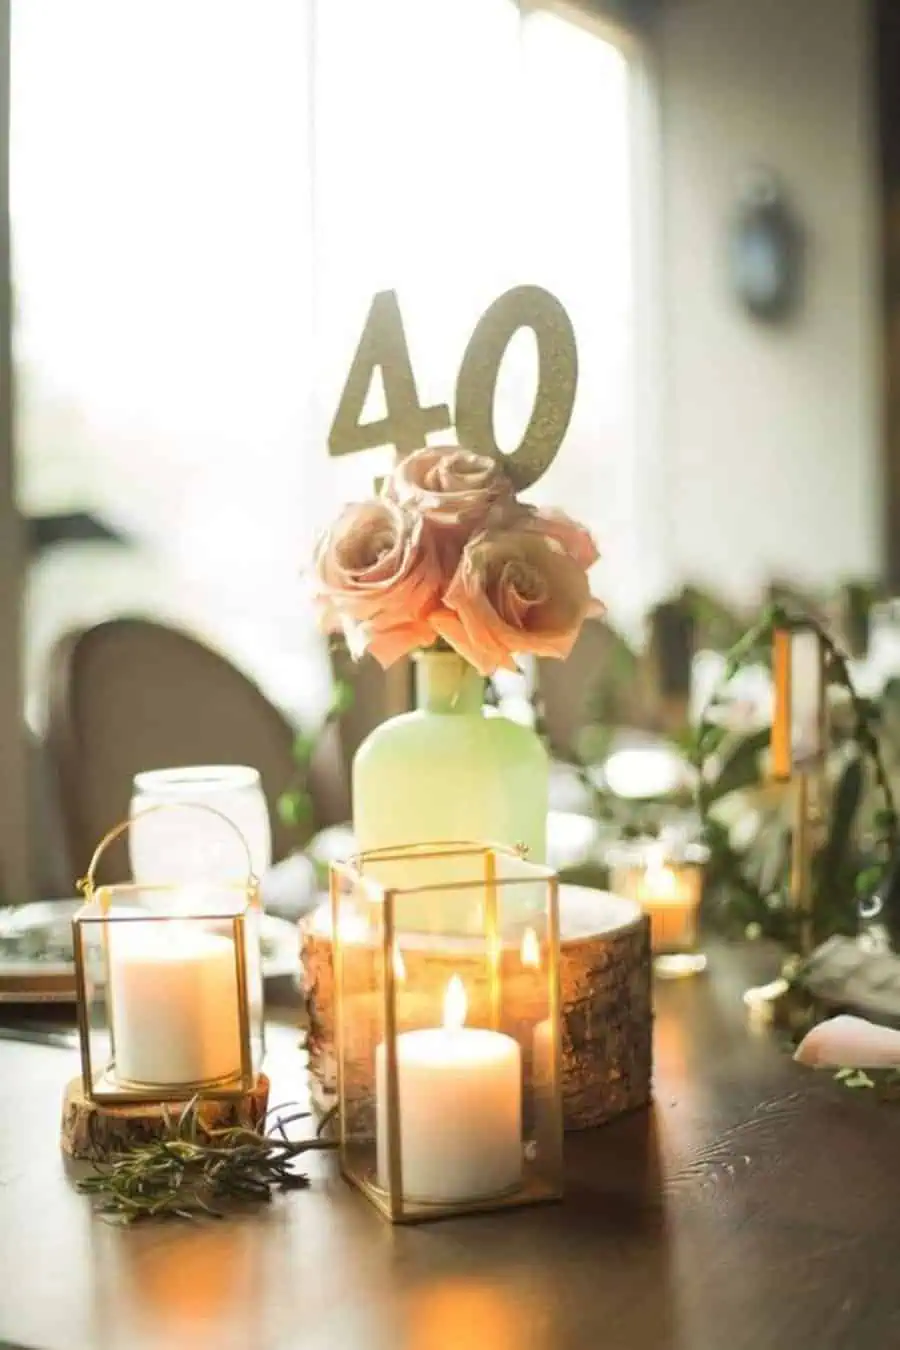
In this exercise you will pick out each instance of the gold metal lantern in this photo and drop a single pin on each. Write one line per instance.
(448, 1041)
(168, 985)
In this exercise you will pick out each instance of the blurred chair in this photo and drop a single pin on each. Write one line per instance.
(130, 694)
(597, 686)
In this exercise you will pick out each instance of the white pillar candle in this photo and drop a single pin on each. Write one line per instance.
(174, 1004)
(460, 1108)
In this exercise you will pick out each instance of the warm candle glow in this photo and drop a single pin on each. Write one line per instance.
(661, 882)
(531, 949)
(455, 1004)
(399, 966)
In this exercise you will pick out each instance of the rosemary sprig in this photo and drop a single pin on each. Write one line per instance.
(193, 1171)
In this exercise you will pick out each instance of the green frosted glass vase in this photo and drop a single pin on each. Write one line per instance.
(452, 770)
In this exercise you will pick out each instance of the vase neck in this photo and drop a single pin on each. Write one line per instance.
(445, 683)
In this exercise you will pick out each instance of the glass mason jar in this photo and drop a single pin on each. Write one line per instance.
(195, 846)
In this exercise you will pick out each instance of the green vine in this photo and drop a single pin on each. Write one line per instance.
(723, 762)
(295, 805)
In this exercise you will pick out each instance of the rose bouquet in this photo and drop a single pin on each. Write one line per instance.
(448, 554)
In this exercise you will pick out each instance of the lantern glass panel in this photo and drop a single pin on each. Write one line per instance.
(169, 1003)
(447, 987)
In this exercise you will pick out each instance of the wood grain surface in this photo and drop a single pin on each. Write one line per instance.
(756, 1207)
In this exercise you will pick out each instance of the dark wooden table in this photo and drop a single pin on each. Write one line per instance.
(756, 1207)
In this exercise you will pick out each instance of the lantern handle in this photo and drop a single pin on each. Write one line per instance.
(87, 884)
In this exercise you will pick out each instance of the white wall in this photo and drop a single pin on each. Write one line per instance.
(771, 433)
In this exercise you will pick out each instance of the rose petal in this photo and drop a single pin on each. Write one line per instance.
(387, 646)
(484, 656)
(575, 539)
(850, 1042)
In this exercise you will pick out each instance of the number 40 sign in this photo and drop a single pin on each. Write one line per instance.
(383, 344)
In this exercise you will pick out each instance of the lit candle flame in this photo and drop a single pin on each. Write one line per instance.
(531, 949)
(660, 881)
(455, 1004)
(399, 966)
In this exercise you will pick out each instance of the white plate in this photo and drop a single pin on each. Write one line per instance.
(36, 940)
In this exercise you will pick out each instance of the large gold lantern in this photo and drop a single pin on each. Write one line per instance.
(448, 1040)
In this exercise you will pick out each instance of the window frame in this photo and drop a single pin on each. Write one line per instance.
(16, 879)
(649, 487)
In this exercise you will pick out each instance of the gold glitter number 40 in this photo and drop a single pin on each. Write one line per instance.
(383, 344)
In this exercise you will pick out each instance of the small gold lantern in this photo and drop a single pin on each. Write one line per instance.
(447, 1001)
(168, 985)
(666, 878)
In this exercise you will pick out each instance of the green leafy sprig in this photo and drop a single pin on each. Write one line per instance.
(194, 1172)
(295, 805)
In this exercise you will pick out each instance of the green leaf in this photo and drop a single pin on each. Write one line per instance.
(303, 748)
(867, 880)
(342, 698)
(858, 1078)
(845, 805)
(295, 808)
(740, 763)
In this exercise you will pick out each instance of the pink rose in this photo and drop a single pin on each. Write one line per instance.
(453, 489)
(513, 591)
(377, 577)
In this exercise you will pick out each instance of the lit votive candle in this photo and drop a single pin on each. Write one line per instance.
(670, 897)
(460, 1109)
(669, 891)
(174, 1004)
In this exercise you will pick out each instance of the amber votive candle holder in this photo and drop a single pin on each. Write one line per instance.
(666, 879)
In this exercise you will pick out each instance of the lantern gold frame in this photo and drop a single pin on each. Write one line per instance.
(96, 914)
(539, 1184)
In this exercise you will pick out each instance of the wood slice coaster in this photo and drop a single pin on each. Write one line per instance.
(97, 1130)
(606, 1003)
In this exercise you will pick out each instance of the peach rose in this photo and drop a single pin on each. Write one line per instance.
(453, 489)
(377, 577)
(513, 591)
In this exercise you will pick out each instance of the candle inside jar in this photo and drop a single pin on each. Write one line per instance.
(174, 1000)
(460, 1109)
(670, 899)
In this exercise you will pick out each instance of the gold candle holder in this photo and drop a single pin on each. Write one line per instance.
(168, 986)
(450, 1098)
(797, 749)
(797, 755)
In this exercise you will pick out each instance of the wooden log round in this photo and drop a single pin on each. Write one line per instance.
(606, 1003)
(98, 1130)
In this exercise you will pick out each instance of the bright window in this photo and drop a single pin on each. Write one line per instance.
(206, 196)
